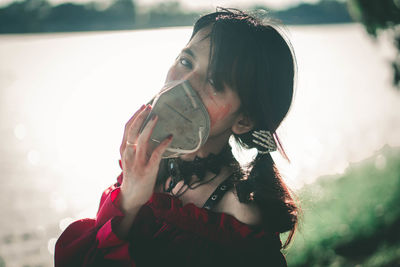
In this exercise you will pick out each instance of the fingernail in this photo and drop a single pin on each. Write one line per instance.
(170, 136)
(147, 107)
(153, 117)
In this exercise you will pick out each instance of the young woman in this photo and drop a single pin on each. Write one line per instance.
(200, 208)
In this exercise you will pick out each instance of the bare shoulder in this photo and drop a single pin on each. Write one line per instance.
(245, 213)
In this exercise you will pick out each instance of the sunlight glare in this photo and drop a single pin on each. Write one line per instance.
(57, 202)
(51, 244)
(33, 157)
(20, 131)
(64, 223)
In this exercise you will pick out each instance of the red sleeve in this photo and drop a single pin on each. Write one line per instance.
(92, 242)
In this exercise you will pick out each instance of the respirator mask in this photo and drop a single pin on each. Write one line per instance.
(181, 113)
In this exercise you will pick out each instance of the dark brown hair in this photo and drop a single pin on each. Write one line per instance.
(253, 58)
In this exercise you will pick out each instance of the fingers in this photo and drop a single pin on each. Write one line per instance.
(127, 126)
(159, 151)
(129, 123)
(137, 144)
(128, 155)
(144, 139)
(133, 131)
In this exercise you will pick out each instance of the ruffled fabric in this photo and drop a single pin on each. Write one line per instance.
(166, 233)
(218, 227)
(197, 237)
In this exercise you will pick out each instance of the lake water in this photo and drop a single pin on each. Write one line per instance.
(66, 97)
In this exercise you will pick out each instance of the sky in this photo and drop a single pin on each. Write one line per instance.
(194, 4)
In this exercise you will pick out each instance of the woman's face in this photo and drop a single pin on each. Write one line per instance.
(191, 65)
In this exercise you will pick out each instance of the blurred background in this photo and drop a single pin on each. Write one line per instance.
(73, 72)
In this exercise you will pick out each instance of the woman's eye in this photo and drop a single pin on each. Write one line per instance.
(185, 62)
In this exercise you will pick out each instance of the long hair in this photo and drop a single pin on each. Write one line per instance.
(255, 59)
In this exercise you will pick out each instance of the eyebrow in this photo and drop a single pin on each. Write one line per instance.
(189, 52)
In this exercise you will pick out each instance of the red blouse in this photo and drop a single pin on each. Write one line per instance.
(166, 233)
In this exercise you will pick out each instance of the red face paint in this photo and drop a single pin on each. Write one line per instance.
(218, 113)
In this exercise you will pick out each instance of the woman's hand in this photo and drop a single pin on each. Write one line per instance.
(140, 166)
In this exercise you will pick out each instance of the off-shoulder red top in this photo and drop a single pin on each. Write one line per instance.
(166, 233)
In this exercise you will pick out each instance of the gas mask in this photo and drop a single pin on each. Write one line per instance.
(181, 113)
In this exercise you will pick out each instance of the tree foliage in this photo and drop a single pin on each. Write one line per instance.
(31, 16)
(376, 17)
(166, 14)
(323, 12)
(40, 16)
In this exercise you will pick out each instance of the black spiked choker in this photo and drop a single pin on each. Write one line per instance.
(180, 170)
